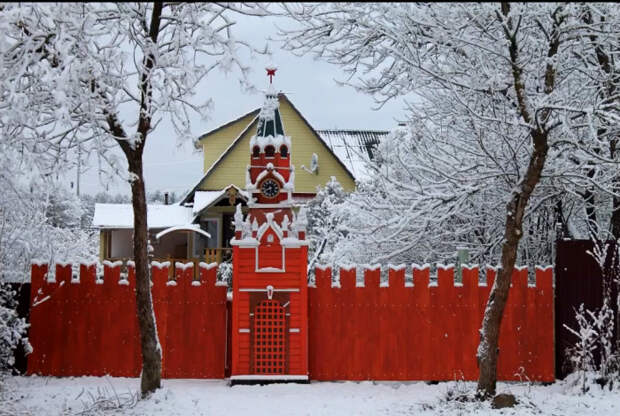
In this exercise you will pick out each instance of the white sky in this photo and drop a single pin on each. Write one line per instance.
(308, 83)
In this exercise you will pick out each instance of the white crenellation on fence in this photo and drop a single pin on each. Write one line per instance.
(159, 265)
(183, 266)
(100, 268)
(207, 266)
(409, 273)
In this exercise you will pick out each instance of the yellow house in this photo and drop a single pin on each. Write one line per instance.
(180, 230)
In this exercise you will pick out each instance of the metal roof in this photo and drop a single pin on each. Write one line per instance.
(353, 147)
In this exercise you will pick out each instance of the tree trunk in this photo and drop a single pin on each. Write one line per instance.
(615, 214)
(149, 342)
(590, 202)
(489, 334)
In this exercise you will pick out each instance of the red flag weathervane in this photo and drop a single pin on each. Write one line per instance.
(271, 72)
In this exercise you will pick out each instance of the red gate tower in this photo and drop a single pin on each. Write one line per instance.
(270, 254)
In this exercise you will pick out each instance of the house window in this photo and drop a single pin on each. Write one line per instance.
(283, 151)
(255, 152)
(270, 151)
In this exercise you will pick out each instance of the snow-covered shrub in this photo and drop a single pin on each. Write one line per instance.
(12, 328)
(224, 272)
(595, 333)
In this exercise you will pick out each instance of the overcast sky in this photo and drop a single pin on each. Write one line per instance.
(309, 84)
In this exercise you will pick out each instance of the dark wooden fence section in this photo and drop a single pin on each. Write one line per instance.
(578, 279)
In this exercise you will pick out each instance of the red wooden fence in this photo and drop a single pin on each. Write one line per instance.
(426, 332)
(89, 326)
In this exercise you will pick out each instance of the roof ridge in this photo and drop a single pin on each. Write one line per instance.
(218, 160)
(220, 127)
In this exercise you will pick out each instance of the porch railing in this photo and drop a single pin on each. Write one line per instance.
(212, 255)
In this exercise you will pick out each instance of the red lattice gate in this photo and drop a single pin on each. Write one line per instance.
(269, 338)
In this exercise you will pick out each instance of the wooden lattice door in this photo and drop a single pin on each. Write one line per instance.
(269, 338)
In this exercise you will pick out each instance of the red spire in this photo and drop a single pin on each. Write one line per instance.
(271, 72)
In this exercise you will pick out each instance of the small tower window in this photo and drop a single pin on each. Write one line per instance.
(270, 151)
(283, 151)
(256, 151)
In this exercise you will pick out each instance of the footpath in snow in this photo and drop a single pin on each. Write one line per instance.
(103, 395)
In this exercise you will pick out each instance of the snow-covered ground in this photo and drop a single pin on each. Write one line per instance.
(89, 395)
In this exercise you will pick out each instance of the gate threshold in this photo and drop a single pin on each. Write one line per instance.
(268, 379)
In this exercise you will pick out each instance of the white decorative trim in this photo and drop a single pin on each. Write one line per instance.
(544, 268)
(371, 267)
(183, 266)
(294, 330)
(276, 141)
(469, 266)
(269, 269)
(248, 242)
(207, 266)
(112, 265)
(160, 265)
(347, 267)
(265, 289)
(397, 267)
(422, 267)
(244, 330)
(290, 242)
(270, 377)
(270, 223)
(283, 204)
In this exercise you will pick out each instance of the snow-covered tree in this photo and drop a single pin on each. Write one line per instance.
(502, 99)
(324, 222)
(95, 77)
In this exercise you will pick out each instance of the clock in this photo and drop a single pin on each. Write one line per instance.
(270, 188)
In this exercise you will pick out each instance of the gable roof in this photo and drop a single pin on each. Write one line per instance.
(206, 199)
(190, 194)
(346, 169)
(347, 146)
(253, 113)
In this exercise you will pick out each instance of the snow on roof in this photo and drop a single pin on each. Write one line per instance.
(158, 216)
(353, 147)
(204, 199)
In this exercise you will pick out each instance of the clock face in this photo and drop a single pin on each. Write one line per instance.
(270, 188)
